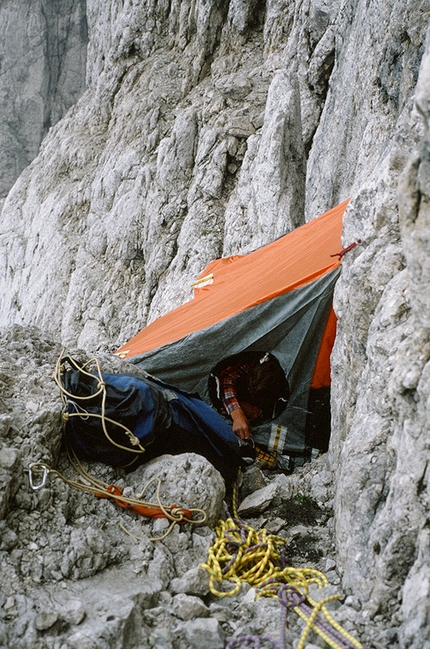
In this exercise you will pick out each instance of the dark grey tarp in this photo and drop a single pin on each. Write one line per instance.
(289, 326)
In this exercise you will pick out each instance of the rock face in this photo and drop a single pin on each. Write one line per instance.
(209, 128)
(382, 413)
(42, 63)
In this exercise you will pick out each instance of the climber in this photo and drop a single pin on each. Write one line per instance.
(126, 419)
(251, 390)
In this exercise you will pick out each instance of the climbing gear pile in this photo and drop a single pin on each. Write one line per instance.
(93, 392)
(242, 554)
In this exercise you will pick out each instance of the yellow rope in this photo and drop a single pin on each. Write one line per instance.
(332, 621)
(253, 559)
(242, 554)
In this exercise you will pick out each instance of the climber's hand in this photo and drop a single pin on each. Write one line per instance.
(240, 424)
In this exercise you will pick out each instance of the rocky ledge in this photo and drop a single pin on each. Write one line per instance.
(79, 572)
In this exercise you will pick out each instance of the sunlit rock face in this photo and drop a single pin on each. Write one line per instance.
(211, 128)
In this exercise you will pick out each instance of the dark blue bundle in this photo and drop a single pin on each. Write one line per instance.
(123, 418)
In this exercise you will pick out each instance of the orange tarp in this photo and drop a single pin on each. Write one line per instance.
(322, 372)
(243, 281)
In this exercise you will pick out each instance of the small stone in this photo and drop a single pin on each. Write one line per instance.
(9, 603)
(8, 538)
(159, 526)
(332, 576)
(258, 501)
(240, 127)
(250, 596)
(353, 602)
(252, 480)
(8, 457)
(234, 86)
(193, 582)
(204, 632)
(274, 525)
(165, 598)
(258, 121)
(73, 612)
(221, 612)
(188, 607)
(46, 620)
(297, 531)
(161, 638)
(56, 575)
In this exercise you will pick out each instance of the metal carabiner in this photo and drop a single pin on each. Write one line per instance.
(44, 470)
(249, 441)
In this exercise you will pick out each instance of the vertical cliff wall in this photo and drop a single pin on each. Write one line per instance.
(210, 128)
(381, 368)
(42, 73)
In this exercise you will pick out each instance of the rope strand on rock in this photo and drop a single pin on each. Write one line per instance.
(173, 513)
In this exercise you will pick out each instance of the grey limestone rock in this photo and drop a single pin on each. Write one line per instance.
(43, 59)
(209, 128)
(188, 607)
(187, 480)
(202, 632)
(194, 582)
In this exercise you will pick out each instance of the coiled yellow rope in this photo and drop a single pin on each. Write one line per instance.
(242, 554)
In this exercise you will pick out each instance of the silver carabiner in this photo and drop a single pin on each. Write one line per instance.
(32, 469)
(249, 441)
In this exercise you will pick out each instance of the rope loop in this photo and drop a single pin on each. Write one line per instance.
(173, 513)
(290, 596)
(77, 402)
(74, 406)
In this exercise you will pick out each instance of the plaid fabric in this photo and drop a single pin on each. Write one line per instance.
(265, 459)
(227, 382)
